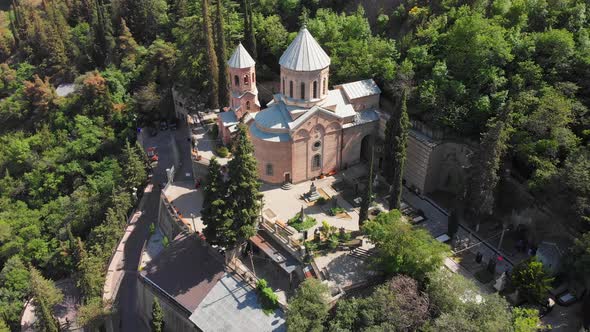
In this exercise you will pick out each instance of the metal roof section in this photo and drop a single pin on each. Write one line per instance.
(241, 58)
(269, 136)
(304, 53)
(360, 89)
(233, 306)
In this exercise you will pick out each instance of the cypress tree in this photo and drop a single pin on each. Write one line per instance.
(368, 194)
(215, 214)
(102, 27)
(133, 167)
(399, 143)
(213, 67)
(157, 317)
(223, 68)
(493, 145)
(249, 38)
(243, 187)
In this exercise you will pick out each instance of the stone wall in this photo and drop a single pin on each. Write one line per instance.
(168, 220)
(277, 154)
(175, 316)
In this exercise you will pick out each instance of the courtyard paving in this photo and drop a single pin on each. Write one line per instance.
(285, 204)
(187, 200)
(205, 144)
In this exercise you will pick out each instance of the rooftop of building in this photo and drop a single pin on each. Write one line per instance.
(193, 275)
(304, 53)
(360, 89)
(175, 271)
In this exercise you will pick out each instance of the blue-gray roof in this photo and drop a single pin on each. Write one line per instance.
(228, 118)
(268, 136)
(232, 305)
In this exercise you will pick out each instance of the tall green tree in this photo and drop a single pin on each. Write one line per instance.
(216, 217)
(223, 97)
(157, 322)
(243, 186)
(403, 249)
(397, 137)
(46, 296)
(249, 37)
(212, 65)
(531, 280)
(308, 308)
(368, 194)
(133, 163)
(487, 164)
(104, 42)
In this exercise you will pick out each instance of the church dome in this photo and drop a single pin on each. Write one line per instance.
(241, 58)
(304, 54)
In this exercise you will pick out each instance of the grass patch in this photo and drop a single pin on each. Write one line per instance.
(299, 225)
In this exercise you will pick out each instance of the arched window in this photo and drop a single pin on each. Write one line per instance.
(302, 90)
(236, 80)
(291, 89)
(284, 91)
(247, 105)
(246, 80)
(269, 170)
(324, 85)
(316, 162)
(315, 89)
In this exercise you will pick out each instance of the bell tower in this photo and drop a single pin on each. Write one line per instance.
(242, 71)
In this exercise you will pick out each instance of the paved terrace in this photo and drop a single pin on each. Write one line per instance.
(283, 205)
(187, 200)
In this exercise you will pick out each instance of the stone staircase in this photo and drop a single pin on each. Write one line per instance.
(360, 253)
(287, 186)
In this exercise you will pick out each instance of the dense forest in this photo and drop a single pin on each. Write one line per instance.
(512, 75)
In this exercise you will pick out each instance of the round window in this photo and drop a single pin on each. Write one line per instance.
(317, 145)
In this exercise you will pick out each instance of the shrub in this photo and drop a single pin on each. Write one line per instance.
(301, 225)
(222, 152)
(268, 299)
(165, 241)
(336, 210)
(152, 228)
(333, 241)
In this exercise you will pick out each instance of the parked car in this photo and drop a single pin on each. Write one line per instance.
(569, 297)
(163, 125)
(152, 153)
(444, 238)
(173, 124)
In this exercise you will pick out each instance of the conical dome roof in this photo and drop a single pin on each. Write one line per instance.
(241, 58)
(304, 54)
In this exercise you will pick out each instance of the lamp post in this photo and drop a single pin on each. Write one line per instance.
(193, 219)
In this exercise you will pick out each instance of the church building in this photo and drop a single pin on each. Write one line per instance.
(306, 130)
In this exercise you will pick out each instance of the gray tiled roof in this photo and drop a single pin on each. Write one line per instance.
(241, 58)
(360, 89)
(304, 54)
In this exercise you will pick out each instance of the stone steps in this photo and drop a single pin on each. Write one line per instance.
(287, 186)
